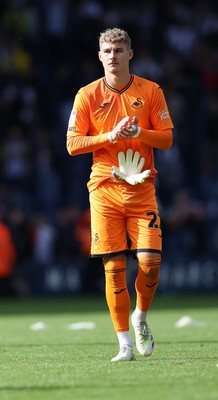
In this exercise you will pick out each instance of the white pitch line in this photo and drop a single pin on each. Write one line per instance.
(38, 326)
(186, 320)
(81, 325)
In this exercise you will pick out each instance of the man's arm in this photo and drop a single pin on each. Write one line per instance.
(81, 144)
(160, 136)
(85, 144)
(159, 139)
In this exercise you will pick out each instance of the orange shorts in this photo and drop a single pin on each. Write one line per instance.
(124, 219)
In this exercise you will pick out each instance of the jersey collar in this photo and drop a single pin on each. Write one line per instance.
(123, 88)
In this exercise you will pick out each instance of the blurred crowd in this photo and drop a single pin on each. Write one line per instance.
(48, 50)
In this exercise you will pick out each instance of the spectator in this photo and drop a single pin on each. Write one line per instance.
(7, 261)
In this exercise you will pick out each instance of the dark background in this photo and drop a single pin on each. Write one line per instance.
(48, 50)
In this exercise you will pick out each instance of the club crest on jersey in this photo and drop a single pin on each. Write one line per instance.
(164, 114)
(138, 103)
(96, 238)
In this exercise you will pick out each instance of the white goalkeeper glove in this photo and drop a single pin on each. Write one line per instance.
(130, 168)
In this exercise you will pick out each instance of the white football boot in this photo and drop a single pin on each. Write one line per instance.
(125, 354)
(143, 337)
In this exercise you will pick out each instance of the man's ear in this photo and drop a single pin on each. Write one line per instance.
(99, 55)
(131, 54)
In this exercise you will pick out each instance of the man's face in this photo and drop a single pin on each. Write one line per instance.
(115, 57)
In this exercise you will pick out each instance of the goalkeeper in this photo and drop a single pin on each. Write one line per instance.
(120, 118)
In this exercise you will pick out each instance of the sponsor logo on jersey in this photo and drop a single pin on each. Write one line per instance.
(104, 105)
(164, 114)
(72, 119)
(138, 103)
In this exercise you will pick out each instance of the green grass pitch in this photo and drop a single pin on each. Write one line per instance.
(57, 363)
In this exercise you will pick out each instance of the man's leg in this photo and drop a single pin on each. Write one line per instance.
(147, 281)
(118, 300)
(146, 285)
(108, 232)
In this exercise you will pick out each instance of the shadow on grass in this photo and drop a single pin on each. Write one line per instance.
(86, 304)
(26, 388)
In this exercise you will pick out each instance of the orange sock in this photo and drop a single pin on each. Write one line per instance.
(117, 294)
(147, 282)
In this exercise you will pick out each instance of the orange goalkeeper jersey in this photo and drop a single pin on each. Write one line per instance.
(98, 108)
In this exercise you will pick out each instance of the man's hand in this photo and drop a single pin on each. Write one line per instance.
(125, 129)
(116, 133)
(130, 168)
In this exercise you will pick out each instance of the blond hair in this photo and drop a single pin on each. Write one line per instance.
(115, 35)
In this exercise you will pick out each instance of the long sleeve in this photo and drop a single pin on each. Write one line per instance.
(85, 144)
(158, 139)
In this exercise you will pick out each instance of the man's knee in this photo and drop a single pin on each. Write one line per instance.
(150, 267)
(115, 257)
(115, 272)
